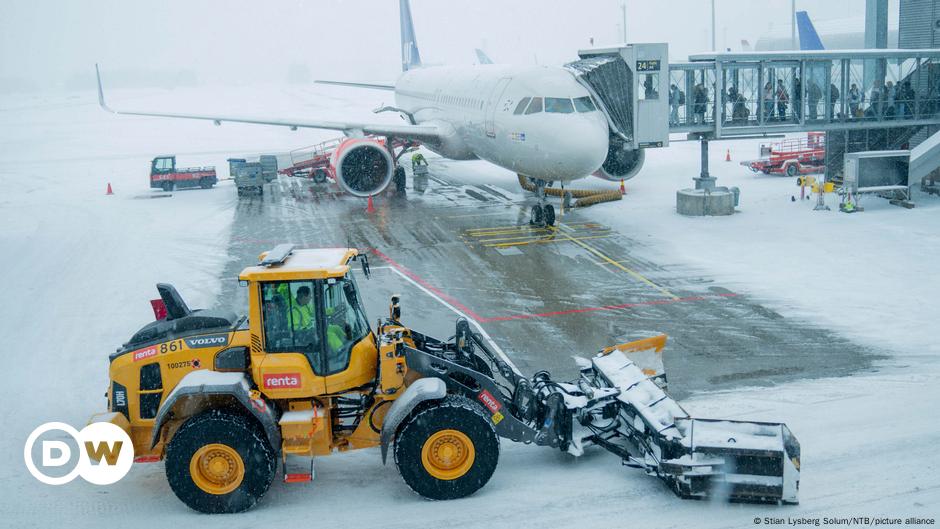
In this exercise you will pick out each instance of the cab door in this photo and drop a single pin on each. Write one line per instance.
(350, 353)
(292, 332)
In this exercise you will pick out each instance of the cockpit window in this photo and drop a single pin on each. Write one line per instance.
(584, 104)
(521, 106)
(558, 105)
(535, 106)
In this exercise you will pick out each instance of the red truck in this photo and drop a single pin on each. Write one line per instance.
(166, 176)
(791, 157)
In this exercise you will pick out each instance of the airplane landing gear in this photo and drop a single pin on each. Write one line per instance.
(543, 214)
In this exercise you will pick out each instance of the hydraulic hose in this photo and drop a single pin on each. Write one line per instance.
(585, 197)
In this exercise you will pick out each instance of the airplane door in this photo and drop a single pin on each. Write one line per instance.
(492, 104)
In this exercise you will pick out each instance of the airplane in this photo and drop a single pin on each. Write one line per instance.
(537, 121)
(840, 34)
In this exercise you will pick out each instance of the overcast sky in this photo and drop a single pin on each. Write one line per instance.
(54, 44)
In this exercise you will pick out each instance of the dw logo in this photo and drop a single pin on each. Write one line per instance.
(105, 454)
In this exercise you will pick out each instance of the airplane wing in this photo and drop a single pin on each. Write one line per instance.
(350, 128)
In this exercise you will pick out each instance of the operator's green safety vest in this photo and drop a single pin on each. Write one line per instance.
(418, 159)
(301, 317)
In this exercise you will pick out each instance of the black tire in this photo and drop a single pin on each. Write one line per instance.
(237, 432)
(453, 413)
(791, 169)
(549, 213)
(537, 216)
(167, 186)
(399, 179)
(205, 183)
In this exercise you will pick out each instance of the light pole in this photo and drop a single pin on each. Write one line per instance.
(713, 25)
(793, 25)
(623, 11)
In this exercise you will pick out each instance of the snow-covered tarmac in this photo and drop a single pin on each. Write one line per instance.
(80, 267)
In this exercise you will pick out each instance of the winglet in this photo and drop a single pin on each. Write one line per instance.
(101, 91)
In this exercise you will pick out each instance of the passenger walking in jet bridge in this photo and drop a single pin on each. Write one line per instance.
(875, 101)
(739, 111)
(674, 102)
(768, 101)
(856, 99)
(890, 99)
(731, 99)
(783, 100)
(833, 101)
(797, 99)
(906, 100)
(813, 95)
(699, 103)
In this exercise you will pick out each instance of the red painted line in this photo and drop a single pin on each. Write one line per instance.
(427, 285)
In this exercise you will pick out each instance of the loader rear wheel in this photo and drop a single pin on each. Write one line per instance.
(792, 170)
(220, 462)
(168, 186)
(447, 449)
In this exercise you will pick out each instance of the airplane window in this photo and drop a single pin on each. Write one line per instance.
(584, 104)
(535, 106)
(558, 105)
(521, 106)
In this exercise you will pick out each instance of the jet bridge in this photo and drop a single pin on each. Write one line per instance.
(735, 94)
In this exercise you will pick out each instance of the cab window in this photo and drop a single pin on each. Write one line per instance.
(558, 105)
(535, 106)
(584, 104)
(290, 319)
(521, 106)
(345, 323)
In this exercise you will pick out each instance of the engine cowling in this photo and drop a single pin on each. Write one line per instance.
(362, 166)
(621, 163)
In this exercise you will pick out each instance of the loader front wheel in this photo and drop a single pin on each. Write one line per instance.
(447, 449)
(220, 462)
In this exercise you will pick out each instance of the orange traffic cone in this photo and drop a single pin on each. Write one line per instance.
(623, 190)
(109, 189)
(370, 208)
(728, 156)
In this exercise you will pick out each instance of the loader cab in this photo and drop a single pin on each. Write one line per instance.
(163, 164)
(309, 332)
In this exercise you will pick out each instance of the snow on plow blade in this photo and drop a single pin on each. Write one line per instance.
(698, 458)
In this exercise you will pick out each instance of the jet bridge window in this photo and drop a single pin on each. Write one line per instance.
(558, 105)
(520, 108)
(650, 86)
(535, 106)
(584, 104)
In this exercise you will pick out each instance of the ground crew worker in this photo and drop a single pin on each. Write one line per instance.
(417, 159)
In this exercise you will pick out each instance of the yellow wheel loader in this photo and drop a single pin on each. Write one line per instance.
(225, 400)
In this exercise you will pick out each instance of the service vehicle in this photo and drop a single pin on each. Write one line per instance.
(792, 157)
(225, 400)
(248, 177)
(166, 176)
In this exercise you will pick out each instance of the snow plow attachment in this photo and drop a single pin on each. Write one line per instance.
(619, 403)
(738, 460)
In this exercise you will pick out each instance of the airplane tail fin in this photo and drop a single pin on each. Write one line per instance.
(410, 57)
(809, 39)
(482, 57)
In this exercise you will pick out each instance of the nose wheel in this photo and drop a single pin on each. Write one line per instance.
(543, 214)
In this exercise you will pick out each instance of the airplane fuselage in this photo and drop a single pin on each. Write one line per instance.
(537, 121)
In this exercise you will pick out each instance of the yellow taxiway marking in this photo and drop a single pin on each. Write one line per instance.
(543, 241)
(636, 275)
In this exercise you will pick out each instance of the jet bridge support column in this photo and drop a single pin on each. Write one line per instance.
(707, 198)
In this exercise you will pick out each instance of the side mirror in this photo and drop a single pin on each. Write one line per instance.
(394, 309)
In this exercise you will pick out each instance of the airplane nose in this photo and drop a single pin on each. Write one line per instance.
(588, 147)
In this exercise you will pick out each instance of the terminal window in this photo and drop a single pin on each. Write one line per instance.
(650, 86)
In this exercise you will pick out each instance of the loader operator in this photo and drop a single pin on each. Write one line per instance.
(301, 312)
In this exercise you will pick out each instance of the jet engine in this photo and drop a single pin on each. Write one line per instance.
(362, 166)
(622, 163)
